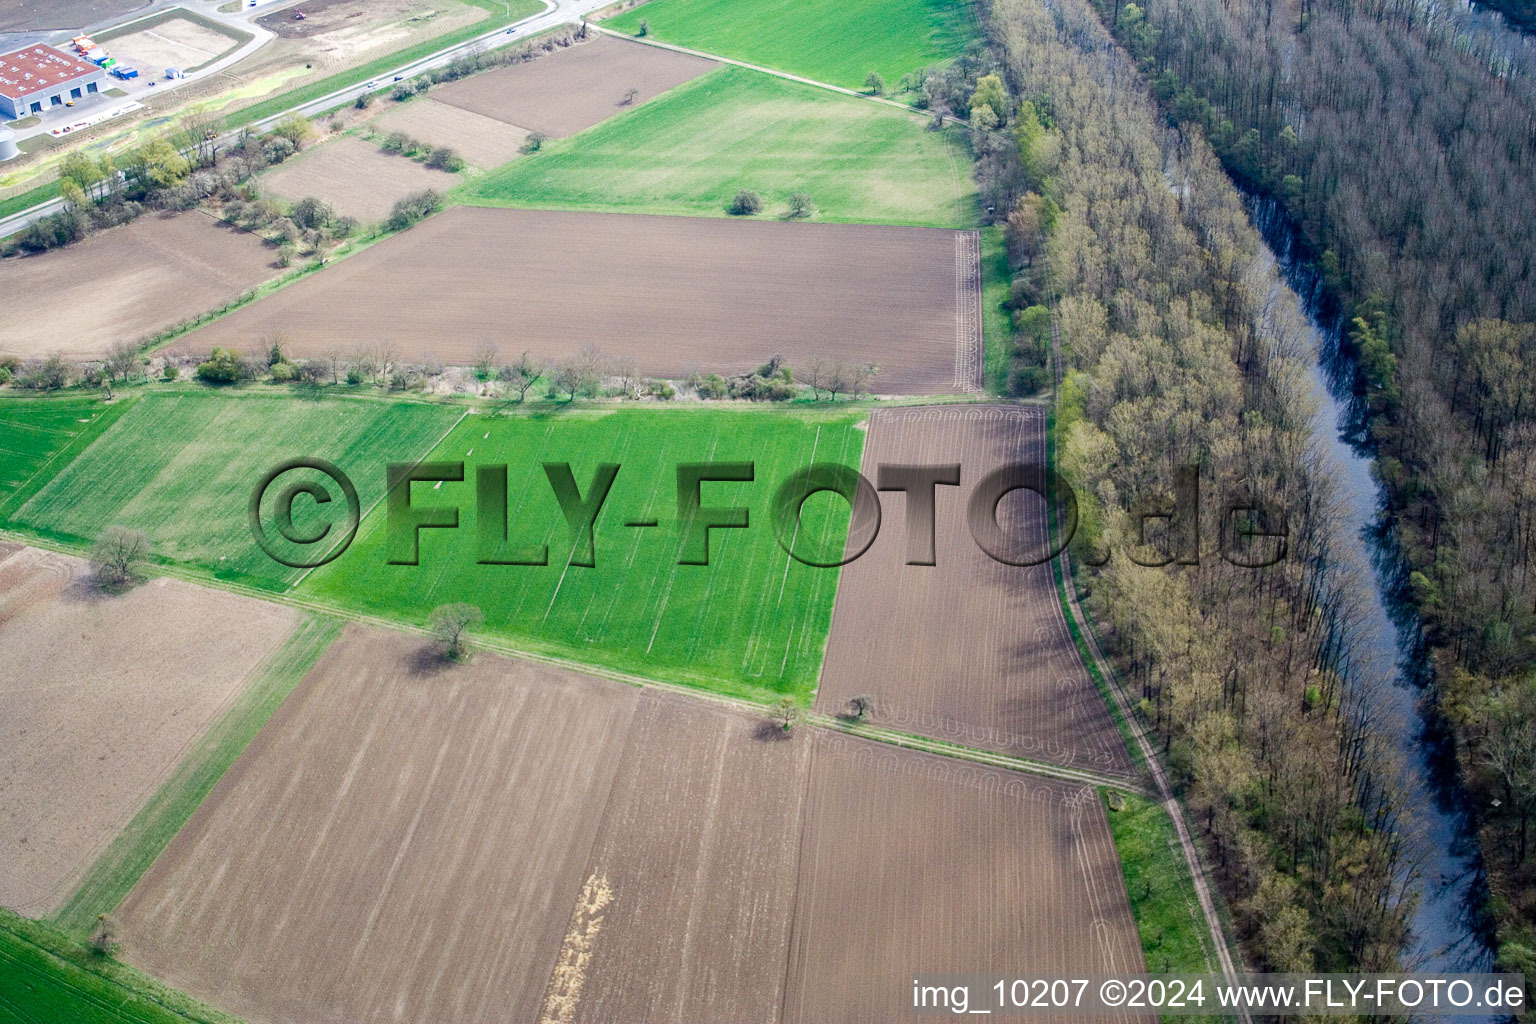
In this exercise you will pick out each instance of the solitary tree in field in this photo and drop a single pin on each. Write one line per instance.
(801, 205)
(107, 938)
(630, 95)
(645, 28)
(875, 83)
(118, 555)
(535, 142)
(450, 624)
(787, 713)
(861, 706)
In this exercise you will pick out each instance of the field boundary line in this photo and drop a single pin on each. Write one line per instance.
(360, 519)
(1074, 610)
(786, 75)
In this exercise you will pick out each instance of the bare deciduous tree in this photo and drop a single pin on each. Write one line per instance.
(450, 624)
(118, 555)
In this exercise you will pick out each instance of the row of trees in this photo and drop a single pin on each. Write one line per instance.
(1398, 140)
(1181, 348)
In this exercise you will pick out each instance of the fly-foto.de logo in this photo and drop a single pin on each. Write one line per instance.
(294, 524)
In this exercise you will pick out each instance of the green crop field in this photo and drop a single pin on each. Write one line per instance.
(48, 978)
(182, 466)
(836, 41)
(751, 623)
(692, 150)
(41, 434)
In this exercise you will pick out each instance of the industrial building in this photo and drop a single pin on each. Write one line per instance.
(36, 79)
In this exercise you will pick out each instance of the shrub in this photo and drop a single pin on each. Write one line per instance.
(1026, 381)
(223, 366)
(412, 208)
(169, 372)
(801, 205)
(354, 376)
(5, 374)
(645, 28)
(745, 204)
(283, 373)
(397, 142)
(535, 142)
(711, 386)
(661, 389)
(364, 101)
(444, 159)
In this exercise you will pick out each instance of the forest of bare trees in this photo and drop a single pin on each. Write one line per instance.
(1182, 348)
(1399, 140)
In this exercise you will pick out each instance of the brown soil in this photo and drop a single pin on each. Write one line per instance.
(698, 847)
(483, 141)
(177, 43)
(968, 650)
(103, 696)
(401, 843)
(357, 178)
(914, 864)
(574, 88)
(126, 283)
(673, 293)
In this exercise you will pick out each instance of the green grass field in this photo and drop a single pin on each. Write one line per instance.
(751, 623)
(181, 467)
(1163, 900)
(40, 435)
(47, 978)
(996, 285)
(157, 823)
(836, 41)
(690, 151)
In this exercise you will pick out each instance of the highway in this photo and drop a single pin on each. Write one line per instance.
(555, 13)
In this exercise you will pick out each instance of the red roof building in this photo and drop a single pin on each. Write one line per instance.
(37, 78)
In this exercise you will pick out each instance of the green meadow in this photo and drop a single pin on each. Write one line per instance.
(751, 623)
(181, 466)
(835, 41)
(40, 435)
(690, 151)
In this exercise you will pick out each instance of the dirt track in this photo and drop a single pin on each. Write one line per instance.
(399, 843)
(699, 845)
(968, 650)
(126, 283)
(915, 864)
(569, 90)
(356, 177)
(102, 697)
(674, 293)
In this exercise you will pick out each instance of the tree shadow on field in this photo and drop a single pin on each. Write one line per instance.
(769, 731)
(428, 661)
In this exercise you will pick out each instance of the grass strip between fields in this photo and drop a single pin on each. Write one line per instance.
(45, 976)
(996, 286)
(132, 852)
(1162, 895)
(27, 200)
(500, 14)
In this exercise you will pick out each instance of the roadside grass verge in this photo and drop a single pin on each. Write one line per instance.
(45, 976)
(135, 849)
(27, 200)
(39, 436)
(500, 14)
(836, 41)
(751, 624)
(689, 151)
(181, 466)
(1162, 894)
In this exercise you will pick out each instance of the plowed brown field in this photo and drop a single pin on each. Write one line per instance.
(968, 650)
(100, 697)
(483, 141)
(123, 284)
(915, 864)
(357, 178)
(399, 844)
(698, 847)
(673, 293)
(571, 89)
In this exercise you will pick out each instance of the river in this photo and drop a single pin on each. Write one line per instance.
(1446, 929)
